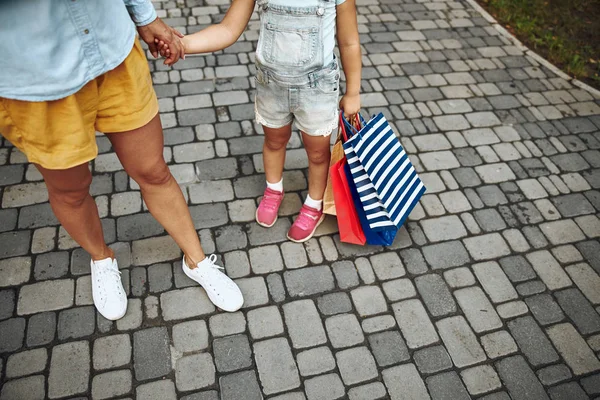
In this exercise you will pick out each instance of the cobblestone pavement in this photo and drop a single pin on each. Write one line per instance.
(492, 290)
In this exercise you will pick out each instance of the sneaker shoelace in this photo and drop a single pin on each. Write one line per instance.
(111, 273)
(270, 199)
(306, 217)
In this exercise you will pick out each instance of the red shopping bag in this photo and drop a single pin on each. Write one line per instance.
(348, 222)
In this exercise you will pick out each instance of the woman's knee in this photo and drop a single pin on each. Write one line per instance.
(73, 193)
(152, 174)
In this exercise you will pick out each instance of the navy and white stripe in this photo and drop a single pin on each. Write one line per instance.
(390, 185)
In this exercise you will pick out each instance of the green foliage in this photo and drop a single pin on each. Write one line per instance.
(563, 31)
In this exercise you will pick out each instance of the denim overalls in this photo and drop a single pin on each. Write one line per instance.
(291, 82)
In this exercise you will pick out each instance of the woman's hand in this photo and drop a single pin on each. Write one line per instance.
(350, 104)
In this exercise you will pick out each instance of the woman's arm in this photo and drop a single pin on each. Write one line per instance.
(349, 44)
(222, 35)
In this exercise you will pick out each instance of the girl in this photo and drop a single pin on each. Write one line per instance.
(297, 80)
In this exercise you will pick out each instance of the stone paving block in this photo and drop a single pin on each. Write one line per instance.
(151, 353)
(111, 384)
(545, 310)
(435, 294)
(15, 271)
(157, 390)
(344, 330)
(567, 391)
(378, 324)
(276, 287)
(388, 348)
(562, 232)
(185, 303)
(240, 385)
(31, 388)
(304, 324)
(345, 274)
(416, 327)
(26, 363)
(399, 289)
(488, 246)
(446, 255)
(369, 300)
(69, 369)
(404, 382)
(573, 349)
(46, 296)
(334, 303)
(459, 277)
(111, 351)
(587, 280)
(315, 361)
(190, 336)
(517, 268)
(478, 309)
(554, 374)
(591, 384)
(444, 228)
(447, 386)
(265, 322)
(460, 341)
(519, 379)
(254, 291)
(579, 310)
(51, 265)
(276, 367)
(160, 278)
(14, 244)
(532, 341)
(232, 353)
(370, 391)
(548, 269)
(481, 379)
(7, 303)
(186, 372)
(356, 365)
(432, 359)
(227, 324)
(325, 387)
(265, 259)
(308, 281)
(495, 282)
(294, 255)
(41, 329)
(387, 266)
(154, 250)
(76, 322)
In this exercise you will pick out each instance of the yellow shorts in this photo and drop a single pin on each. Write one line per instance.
(61, 134)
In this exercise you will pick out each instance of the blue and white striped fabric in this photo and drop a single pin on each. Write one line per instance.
(387, 183)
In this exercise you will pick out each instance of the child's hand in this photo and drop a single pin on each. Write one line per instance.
(165, 51)
(350, 104)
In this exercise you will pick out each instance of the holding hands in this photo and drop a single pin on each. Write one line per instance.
(170, 39)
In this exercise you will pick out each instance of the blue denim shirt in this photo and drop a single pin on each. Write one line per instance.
(49, 49)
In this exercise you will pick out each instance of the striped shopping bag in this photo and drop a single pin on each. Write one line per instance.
(387, 183)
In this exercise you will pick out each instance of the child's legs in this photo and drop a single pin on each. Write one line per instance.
(317, 150)
(274, 148)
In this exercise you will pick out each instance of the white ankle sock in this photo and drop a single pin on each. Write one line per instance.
(278, 187)
(316, 204)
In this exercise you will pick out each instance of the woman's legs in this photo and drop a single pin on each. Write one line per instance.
(141, 153)
(76, 210)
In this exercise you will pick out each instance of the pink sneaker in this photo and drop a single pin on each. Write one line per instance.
(306, 224)
(266, 214)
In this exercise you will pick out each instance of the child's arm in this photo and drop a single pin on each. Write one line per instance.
(349, 44)
(222, 35)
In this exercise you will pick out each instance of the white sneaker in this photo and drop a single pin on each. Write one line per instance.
(221, 290)
(107, 289)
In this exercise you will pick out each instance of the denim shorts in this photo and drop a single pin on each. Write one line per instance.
(292, 84)
(310, 101)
